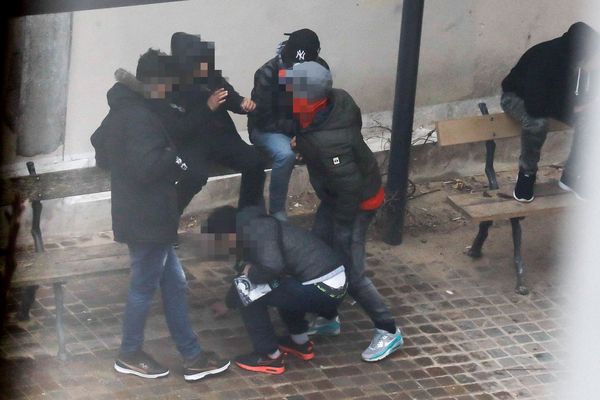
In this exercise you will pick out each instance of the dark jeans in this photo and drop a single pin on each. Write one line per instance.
(533, 131)
(152, 266)
(293, 300)
(349, 239)
(229, 150)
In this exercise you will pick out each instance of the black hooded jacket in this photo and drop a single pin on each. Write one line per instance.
(546, 75)
(278, 249)
(342, 168)
(273, 111)
(133, 144)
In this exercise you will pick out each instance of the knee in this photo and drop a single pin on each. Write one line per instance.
(284, 158)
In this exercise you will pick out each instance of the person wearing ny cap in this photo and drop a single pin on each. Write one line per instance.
(346, 178)
(272, 125)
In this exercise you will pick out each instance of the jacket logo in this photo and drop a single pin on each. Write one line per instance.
(336, 160)
(300, 55)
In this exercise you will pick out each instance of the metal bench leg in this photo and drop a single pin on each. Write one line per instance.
(60, 332)
(27, 300)
(519, 267)
(475, 250)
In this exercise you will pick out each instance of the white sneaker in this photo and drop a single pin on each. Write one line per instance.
(382, 345)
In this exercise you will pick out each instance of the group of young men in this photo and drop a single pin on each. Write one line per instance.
(170, 122)
(167, 125)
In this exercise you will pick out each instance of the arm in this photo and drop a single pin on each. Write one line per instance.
(263, 96)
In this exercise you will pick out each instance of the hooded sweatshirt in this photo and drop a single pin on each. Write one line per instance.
(546, 75)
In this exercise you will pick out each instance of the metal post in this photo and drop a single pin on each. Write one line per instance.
(60, 330)
(402, 122)
(518, 260)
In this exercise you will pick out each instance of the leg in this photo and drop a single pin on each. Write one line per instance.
(173, 289)
(350, 240)
(519, 267)
(147, 265)
(323, 224)
(60, 332)
(236, 154)
(534, 132)
(28, 296)
(259, 326)
(475, 250)
(277, 147)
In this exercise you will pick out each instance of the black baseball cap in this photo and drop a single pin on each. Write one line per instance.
(302, 45)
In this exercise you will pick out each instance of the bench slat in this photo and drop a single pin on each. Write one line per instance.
(484, 127)
(499, 204)
(74, 182)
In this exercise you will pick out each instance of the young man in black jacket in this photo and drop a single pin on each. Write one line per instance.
(550, 81)
(144, 165)
(346, 178)
(304, 274)
(272, 125)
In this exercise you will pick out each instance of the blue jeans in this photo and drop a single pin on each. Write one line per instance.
(156, 265)
(277, 147)
(349, 239)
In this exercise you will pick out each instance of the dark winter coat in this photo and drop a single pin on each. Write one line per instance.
(273, 111)
(342, 168)
(546, 75)
(141, 158)
(277, 249)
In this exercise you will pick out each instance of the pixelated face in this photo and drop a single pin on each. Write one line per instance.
(297, 83)
(160, 87)
(200, 70)
(219, 245)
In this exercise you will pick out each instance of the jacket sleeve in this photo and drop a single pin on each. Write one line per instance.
(263, 96)
(265, 253)
(148, 155)
(234, 99)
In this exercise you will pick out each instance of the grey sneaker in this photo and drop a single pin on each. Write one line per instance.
(140, 364)
(324, 327)
(382, 345)
(280, 215)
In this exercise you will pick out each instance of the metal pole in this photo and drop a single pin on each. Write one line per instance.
(402, 122)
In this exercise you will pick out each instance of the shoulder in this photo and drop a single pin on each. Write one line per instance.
(268, 68)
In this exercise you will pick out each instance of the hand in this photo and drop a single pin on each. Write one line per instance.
(247, 105)
(215, 100)
(293, 146)
(219, 309)
(246, 269)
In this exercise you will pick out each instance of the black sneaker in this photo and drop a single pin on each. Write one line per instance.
(524, 188)
(206, 363)
(571, 183)
(257, 363)
(140, 364)
(302, 351)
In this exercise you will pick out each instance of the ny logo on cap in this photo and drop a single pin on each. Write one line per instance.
(336, 160)
(300, 55)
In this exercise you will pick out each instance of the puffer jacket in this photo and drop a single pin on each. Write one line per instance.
(132, 143)
(273, 111)
(342, 169)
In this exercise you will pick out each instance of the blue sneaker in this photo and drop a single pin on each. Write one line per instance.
(382, 345)
(325, 327)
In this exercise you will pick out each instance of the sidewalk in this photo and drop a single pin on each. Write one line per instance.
(468, 334)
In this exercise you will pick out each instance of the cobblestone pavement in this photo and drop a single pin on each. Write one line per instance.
(468, 334)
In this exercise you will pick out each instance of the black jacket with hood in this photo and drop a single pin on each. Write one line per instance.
(273, 111)
(546, 75)
(278, 249)
(132, 143)
(342, 168)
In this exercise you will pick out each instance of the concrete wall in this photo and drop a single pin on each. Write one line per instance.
(468, 46)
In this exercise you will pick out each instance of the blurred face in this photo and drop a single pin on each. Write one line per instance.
(158, 88)
(201, 70)
(218, 245)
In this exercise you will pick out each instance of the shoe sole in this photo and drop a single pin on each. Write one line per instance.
(200, 375)
(335, 332)
(523, 200)
(386, 353)
(264, 370)
(137, 373)
(296, 353)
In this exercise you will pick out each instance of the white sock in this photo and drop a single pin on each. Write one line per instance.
(300, 338)
(275, 355)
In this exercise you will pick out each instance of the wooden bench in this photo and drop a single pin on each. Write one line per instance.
(56, 267)
(495, 203)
